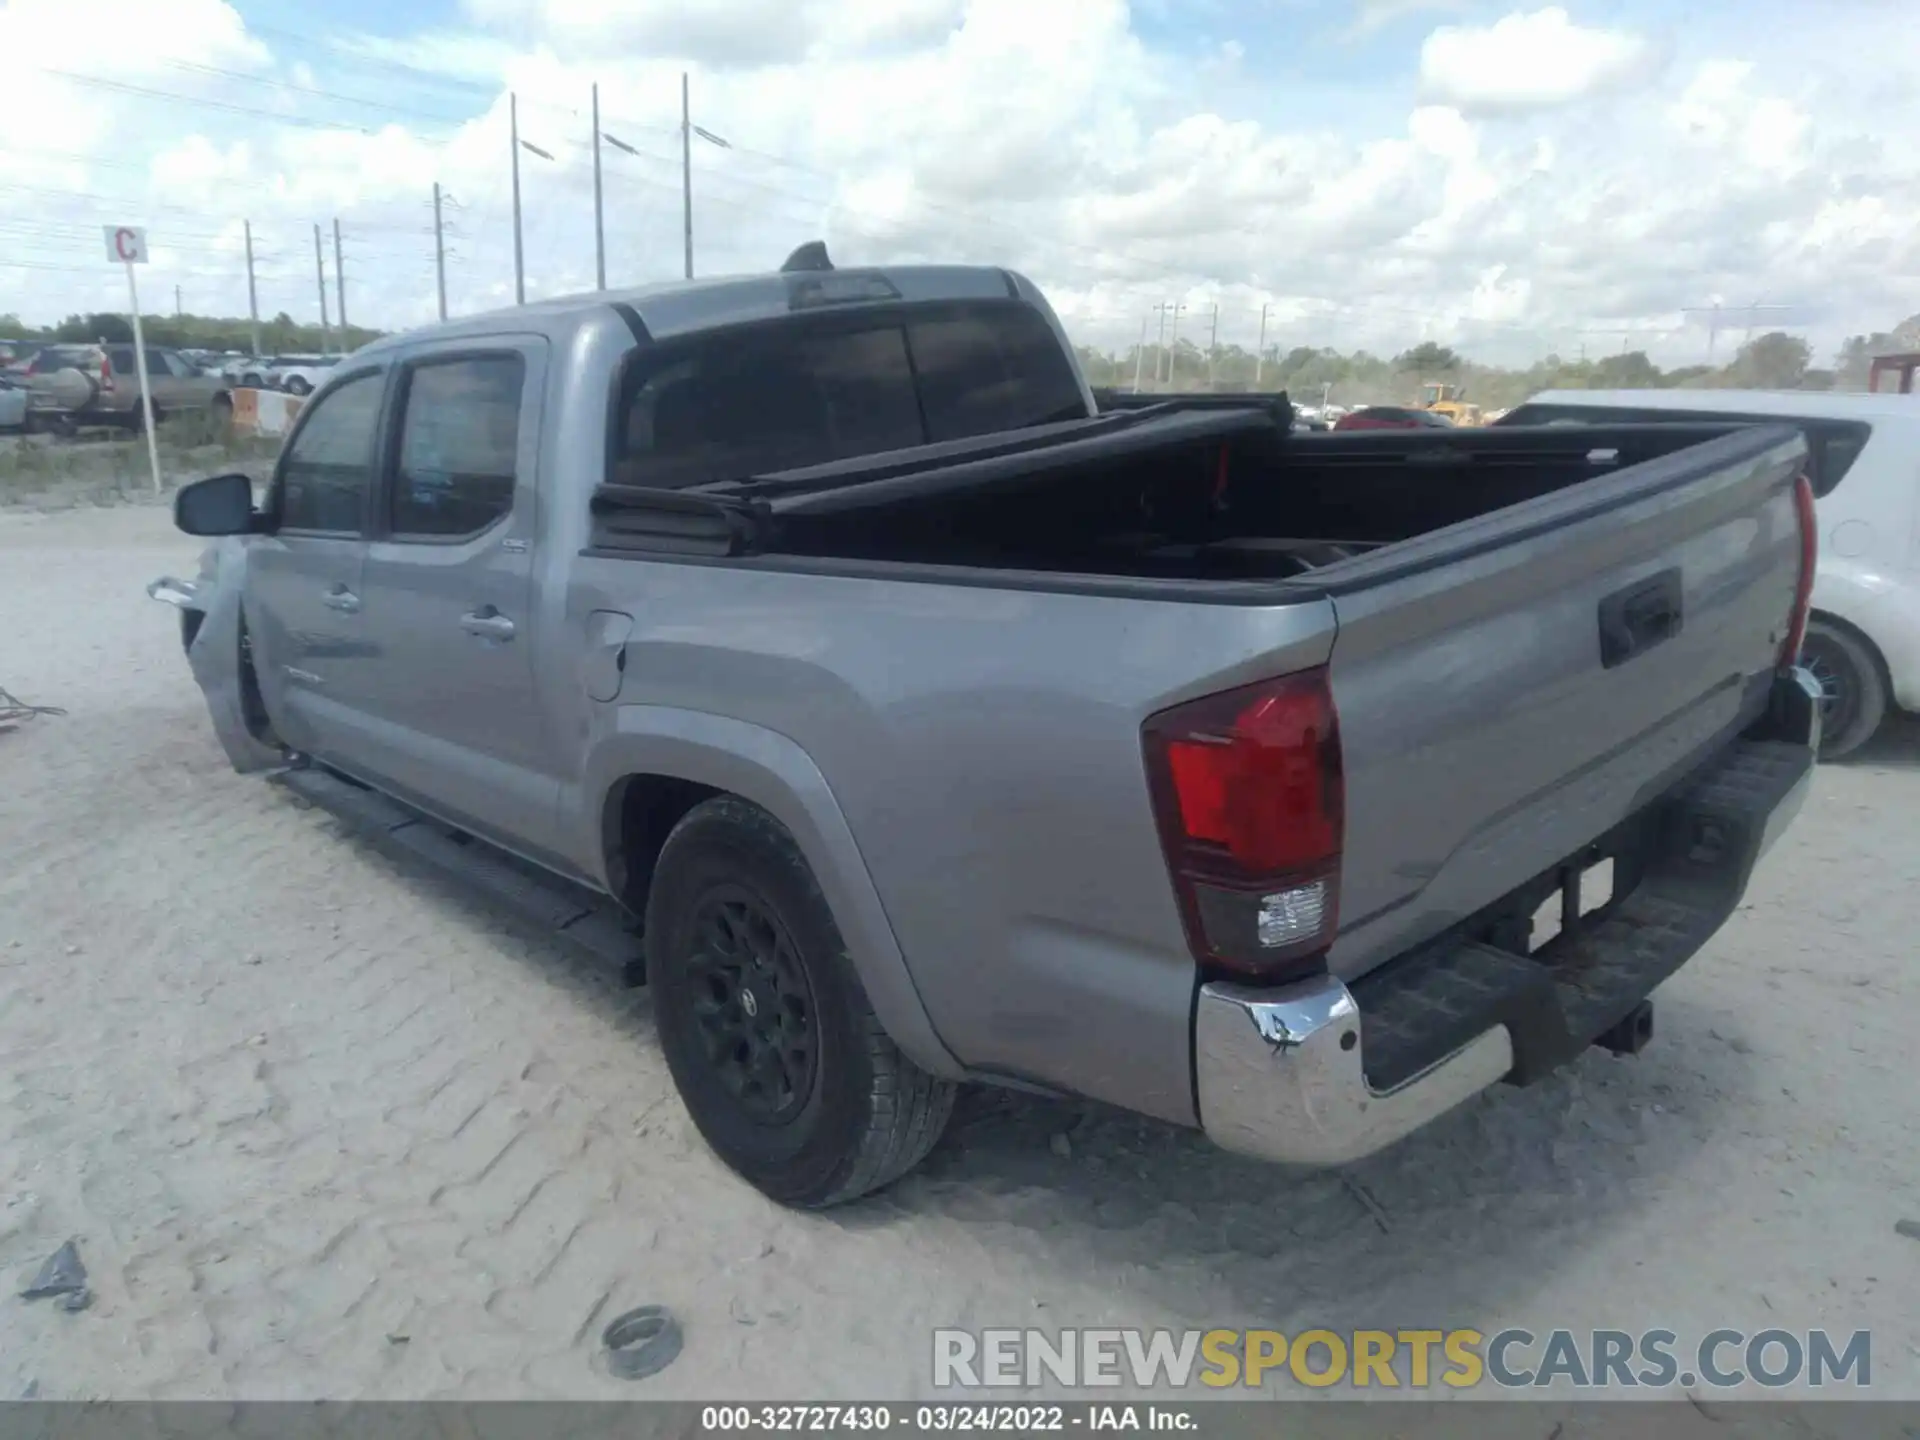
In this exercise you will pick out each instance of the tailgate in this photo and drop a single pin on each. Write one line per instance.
(1511, 687)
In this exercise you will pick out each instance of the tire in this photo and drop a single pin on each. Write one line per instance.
(298, 386)
(772, 1043)
(1855, 684)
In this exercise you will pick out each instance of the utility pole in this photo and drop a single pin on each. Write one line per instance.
(176, 302)
(599, 220)
(1140, 355)
(253, 296)
(1716, 320)
(1160, 341)
(439, 252)
(1213, 343)
(519, 258)
(1260, 350)
(1173, 340)
(320, 274)
(340, 281)
(686, 171)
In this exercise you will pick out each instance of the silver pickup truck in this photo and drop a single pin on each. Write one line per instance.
(919, 723)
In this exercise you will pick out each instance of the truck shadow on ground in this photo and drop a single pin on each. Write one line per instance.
(1488, 1196)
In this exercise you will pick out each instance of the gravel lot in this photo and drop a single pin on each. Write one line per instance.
(324, 1127)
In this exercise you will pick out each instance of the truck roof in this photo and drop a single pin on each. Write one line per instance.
(1787, 404)
(681, 307)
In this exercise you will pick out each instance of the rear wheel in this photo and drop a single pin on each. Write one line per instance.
(781, 1061)
(298, 386)
(1852, 686)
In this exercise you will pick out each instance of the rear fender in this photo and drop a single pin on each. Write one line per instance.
(774, 773)
(216, 659)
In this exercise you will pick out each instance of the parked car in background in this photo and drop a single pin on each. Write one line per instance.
(100, 385)
(302, 376)
(64, 382)
(1392, 417)
(254, 372)
(1863, 638)
(13, 402)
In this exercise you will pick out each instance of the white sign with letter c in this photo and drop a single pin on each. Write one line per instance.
(126, 244)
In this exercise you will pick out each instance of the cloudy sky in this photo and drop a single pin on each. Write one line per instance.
(1509, 178)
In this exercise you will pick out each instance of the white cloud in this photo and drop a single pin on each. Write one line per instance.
(1051, 138)
(1529, 61)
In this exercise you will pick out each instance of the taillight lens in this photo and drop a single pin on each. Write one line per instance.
(1249, 794)
(106, 373)
(1803, 509)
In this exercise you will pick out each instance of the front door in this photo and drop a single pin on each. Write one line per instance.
(304, 608)
(457, 724)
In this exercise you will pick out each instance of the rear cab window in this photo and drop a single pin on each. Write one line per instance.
(1832, 445)
(785, 395)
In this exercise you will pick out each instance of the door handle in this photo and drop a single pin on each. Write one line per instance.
(487, 622)
(341, 598)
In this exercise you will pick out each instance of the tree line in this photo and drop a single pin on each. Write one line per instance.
(1774, 361)
(282, 335)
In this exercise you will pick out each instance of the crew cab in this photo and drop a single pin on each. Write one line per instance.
(919, 723)
(1863, 638)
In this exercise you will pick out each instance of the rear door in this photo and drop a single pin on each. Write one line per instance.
(455, 722)
(304, 608)
(1512, 687)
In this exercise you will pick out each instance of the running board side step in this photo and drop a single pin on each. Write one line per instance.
(591, 923)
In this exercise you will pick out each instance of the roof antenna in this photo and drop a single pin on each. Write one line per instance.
(810, 256)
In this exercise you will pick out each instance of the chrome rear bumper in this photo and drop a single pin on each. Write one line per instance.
(1281, 1077)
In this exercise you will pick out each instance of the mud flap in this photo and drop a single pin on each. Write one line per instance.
(216, 657)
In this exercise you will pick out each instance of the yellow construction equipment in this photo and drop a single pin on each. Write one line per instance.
(1445, 400)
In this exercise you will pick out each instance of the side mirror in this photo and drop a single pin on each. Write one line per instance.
(220, 505)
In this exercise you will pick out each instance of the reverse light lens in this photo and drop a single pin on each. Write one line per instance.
(1289, 916)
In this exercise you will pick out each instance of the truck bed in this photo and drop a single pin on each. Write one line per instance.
(1530, 635)
(1177, 492)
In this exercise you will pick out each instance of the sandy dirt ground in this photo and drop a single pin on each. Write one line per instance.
(324, 1127)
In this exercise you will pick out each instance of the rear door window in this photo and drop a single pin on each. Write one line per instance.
(459, 446)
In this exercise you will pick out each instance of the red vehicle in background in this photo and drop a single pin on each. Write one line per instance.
(1391, 417)
(1898, 369)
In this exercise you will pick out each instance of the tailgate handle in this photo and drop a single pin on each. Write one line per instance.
(1634, 620)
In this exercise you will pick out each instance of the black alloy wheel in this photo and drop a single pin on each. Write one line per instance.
(754, 1006)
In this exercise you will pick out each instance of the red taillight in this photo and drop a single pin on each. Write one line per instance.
(1248, 790)
(106, 373)
(1803, 509)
